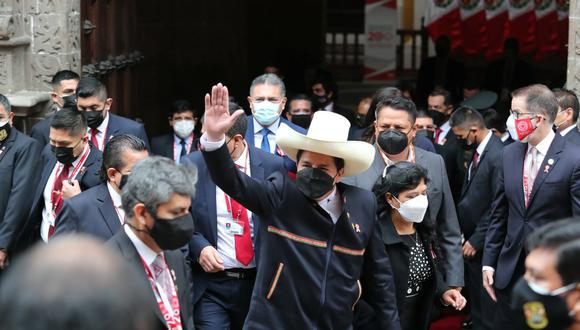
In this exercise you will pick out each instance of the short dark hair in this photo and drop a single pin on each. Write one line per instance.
(494, 120)
(181, 106)
(114, 149)
(422, 113)
(241, 124)
(568, 99)
(299, 97)
(70, 120)
(327, 81)
(63, 75)
(567, 262)
(465, 117)
(91, 86)
(397, 178)
(539, 99)
(338, 162)
(440, 91)
(554, 234)
(398, 103)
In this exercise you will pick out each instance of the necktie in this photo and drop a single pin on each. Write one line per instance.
(94, 141)
(56, 199)
(437, 133)
(183, 148)
(244, 247)
(531, 172)
(474, 164)
(265, 143)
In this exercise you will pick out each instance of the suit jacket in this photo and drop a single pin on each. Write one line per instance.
(121, 243)
(162, 145)
(309, 266)
(41, 130)
(455, 162)
(89, 177)
(289, 163)
(19, 157)
(555, 195)
(441, 208)
(573, 136)
(345, 112)
(203, 209)
(473, 209)
(121, 125)
(91, 212)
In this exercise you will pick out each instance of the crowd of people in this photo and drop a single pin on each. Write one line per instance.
(301, 214)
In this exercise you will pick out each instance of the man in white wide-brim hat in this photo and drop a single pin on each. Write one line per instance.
(320, 249)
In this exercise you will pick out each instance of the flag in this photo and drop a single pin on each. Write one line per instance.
(496, 13)
(522, 24)
(473, 26)
(442, 19)
(547, 29)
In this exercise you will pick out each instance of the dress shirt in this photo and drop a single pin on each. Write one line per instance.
(271, 136)
(480, 149)
(567, 130)
(177, 146)
(101, 134)
(117, 203)
(445, 128)
(332, 205)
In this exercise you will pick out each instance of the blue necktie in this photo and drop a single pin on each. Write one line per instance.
(265, 143)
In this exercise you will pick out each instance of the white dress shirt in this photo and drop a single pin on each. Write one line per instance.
(329, 107)
(117, 204)
(48, 217)
(101, 134)
(332, 205)
(480, 149)
(445, 128)
(271, 137)
(177, 146)
(567, 130)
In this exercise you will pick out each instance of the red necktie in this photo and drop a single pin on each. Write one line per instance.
(56, 199)
(244, 248)
(94, 141)
(437, 133)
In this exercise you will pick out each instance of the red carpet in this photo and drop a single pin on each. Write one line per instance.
(448, 322)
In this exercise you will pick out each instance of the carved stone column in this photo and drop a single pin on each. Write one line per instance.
(37, 38)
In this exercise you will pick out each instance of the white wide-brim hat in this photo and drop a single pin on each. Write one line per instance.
(328, 135)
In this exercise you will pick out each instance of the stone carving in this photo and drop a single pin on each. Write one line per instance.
(113, 63)
(4, 74)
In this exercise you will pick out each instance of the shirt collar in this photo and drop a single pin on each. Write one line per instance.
(144, 251)
(273, 128)
(103, 127)
(445, 127)
(241, 161)
(329, 107)
(332, 205)
(483, 144)
(544, 145)
(177, 139)
(114, 195)
(505, 136)
(568, 130)
(389, 162)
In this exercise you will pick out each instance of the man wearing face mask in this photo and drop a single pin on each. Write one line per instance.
(226, 244)
(395, 133)
(94, 103)
(70, 165)
(299, 110)
(548, 296)
(538, 182)
(64, 85)
(267, 100)
(320, 236)
(566, 122)
(156, 201)
(473, 207)
(183, 120)
(425, 125)
(19, 172)
(98, 211)
(324, 95)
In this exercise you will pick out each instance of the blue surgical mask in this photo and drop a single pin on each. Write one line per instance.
(266, 112)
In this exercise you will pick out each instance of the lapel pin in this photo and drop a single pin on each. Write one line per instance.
(550, 161)
(356, 227)
(547, 168)
(83, 170)
(173, 274)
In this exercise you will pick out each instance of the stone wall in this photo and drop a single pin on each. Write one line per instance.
(37, 38)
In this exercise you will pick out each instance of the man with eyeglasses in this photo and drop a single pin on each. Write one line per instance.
(538, 182)
(267, 100)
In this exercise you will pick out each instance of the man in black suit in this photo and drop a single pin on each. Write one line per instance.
(93, 101)
(70, 164)
(18, 174)
(320, 236)
(325, 94)
(473, 207)
(64, 86)
(225, 262)
(566, 122)
(156, 200)
(183, 120)
(538, 182)
(98, 211)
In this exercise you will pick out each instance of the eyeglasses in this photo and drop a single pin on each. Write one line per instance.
(518, 114)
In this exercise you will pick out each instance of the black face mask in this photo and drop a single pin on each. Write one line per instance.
(360, 120)
(69, 101)
(94, 118)
(320, 102)
(538, 311)
(463, 143)
(313, 182)
(392, 141)
(171, 234)
(124, 178)
(438, 117)
(302, 120)
(427, 133)
(64, 155)
(4, 131)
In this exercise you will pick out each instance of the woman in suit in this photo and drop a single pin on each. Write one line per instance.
(412, 244)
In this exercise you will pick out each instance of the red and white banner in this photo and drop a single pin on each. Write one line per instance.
(522, 24)
(547, 36)
(496, 13)
(442, 19)
(473, 26)
(381, 24)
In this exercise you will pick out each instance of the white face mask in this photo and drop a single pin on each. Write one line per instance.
(183, 128)
(414, 209)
